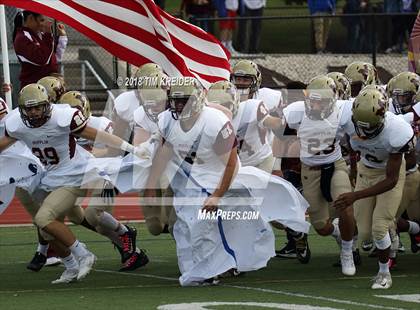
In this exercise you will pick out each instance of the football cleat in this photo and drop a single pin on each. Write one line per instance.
(357, 259)
(347, 264)
(37, 262)
(207, 282)
(231, 273)
(415, 242)
(128, 240)
(373, 252)
(382, 281)
(69, 275)
(303, 253)
(288, 251)
(367, 245)
(136, 260)
(86, 263)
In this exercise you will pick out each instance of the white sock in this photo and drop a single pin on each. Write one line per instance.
(414, 228)
(43, 248)
(336, 231)
(78, 250)
(346, 246)
(383, 267)
(108, 222)
(70, 262)
(121, 229)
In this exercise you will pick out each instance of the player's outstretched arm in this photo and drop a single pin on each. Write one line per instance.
(113, 141)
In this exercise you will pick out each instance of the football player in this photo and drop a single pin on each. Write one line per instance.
(321, 121)
(402, 90)
(382, 138)
(43, 127)
(251, 121)
(200, 145)
(100, 216)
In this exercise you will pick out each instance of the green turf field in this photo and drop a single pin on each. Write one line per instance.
(282, 283)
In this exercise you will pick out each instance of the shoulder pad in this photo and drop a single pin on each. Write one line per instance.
(400, 131)
(271, 98)
(294, 112)
(63, 114)
(13, 121)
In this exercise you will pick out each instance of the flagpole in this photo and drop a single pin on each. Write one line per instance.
(5, 55)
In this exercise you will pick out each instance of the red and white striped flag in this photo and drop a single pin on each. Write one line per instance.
(138, 31)
(414, 47)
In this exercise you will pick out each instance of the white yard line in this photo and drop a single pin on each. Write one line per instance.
(336, 300)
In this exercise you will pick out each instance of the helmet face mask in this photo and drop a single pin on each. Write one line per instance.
(34, 105)
(153, 94)
(186, 99)
(153, 107)
(403, 101)
(247, 78)
(320, 98)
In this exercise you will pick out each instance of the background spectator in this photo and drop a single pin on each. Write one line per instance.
(321, 26)
(366, 27)
(250, 8)
(35, 46)
(352, 24)
(193, 9)
(227, 8)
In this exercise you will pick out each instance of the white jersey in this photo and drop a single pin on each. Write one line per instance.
(253, 146)
(143, 121)
(272, 99)
(375, 152)
(125, 105)
(100, 123)
(199, 148)
(54, 144)
(320, 139)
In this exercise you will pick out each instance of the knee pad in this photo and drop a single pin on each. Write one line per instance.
(384, 242)
(154, 225)
(93, 215)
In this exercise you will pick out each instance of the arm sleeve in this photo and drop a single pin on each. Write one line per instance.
(225, 140)
(61, 47)
(78, 122)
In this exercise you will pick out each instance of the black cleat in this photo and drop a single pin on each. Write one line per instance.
(120, 250)
(37, 262)
(128, 240)
(303, 252)
(288, 251)
(367, 245)
(136, 260)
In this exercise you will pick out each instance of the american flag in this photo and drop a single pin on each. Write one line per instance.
(138, 31)
(414, 47)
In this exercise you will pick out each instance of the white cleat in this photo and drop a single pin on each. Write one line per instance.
(382, 281)
(85, 265)
(69, 275)
(347, 264)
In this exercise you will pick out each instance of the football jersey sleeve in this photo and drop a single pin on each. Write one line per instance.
(293, 114)
(78, 122)
(225, 140)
